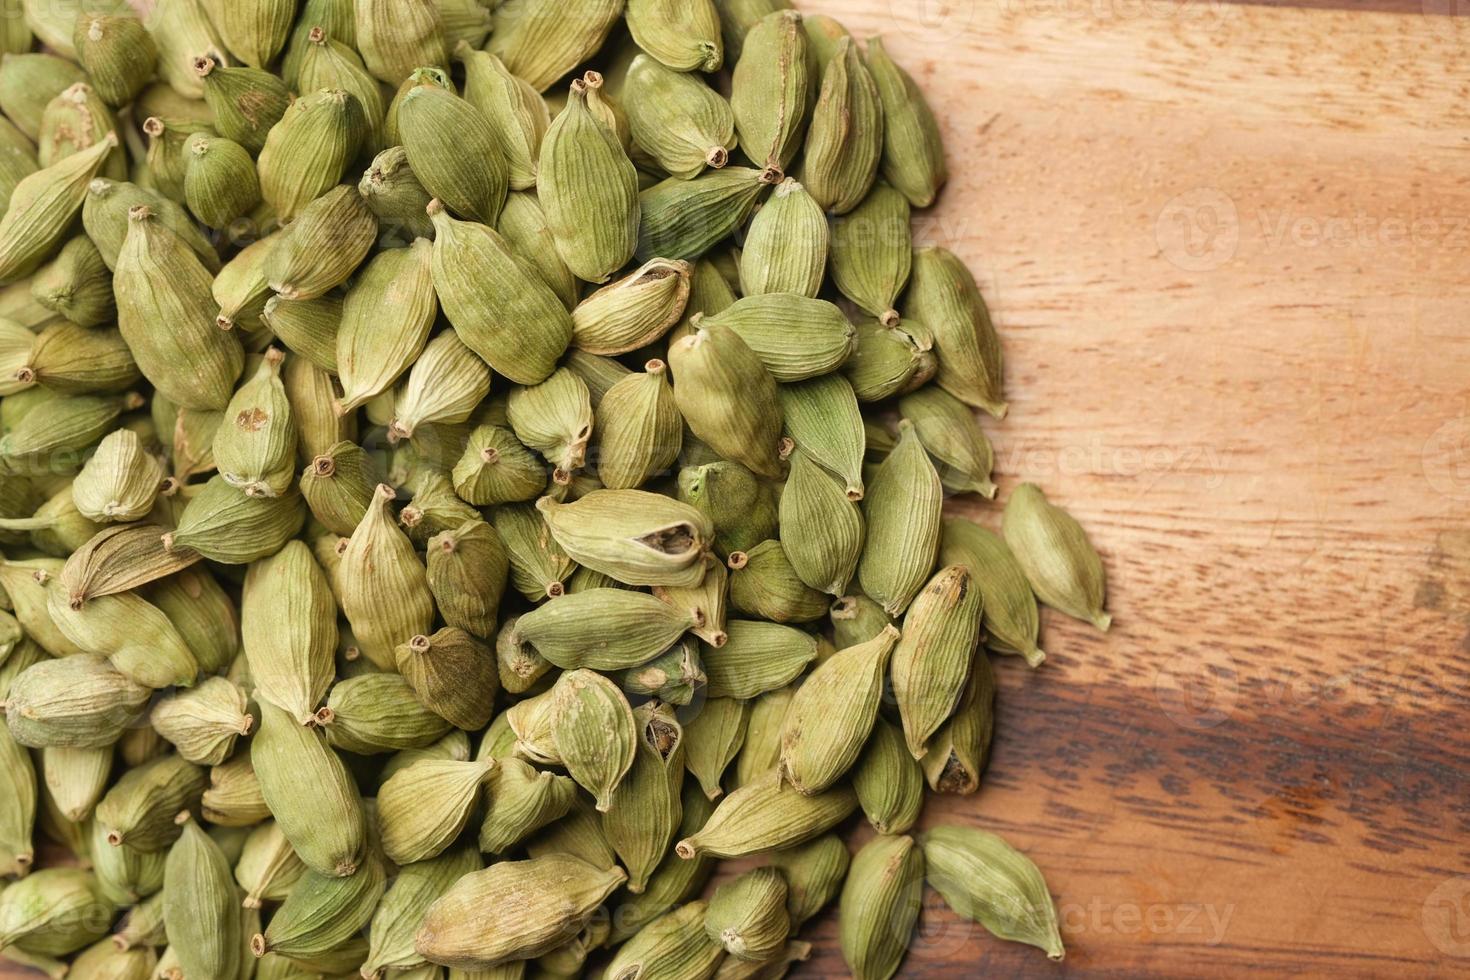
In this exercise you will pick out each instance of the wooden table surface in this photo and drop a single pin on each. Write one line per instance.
(1227, 249)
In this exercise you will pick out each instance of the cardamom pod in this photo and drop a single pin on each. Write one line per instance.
(233, 798)
(747, 915)
(786, 245)
(556, 895)
(640, 429)
(888, 781)
(589, 190)
(396, 196)
(523, 225)
(637, 537)
(454, 152)
(833, 713)
(200, 904)
(728, 397)
(845, 143)
(758, 657)
(948, 430)
(633, 312)
(542, 40)
(467, 571)
(28, 81)
(18, 808)
(764, 815)
(814, 873)
(713, 739)
(517, 114)
(44, 206)
(770, 89)
(398, 36)
(315, 397)
(823, 419)
(289, 625)
(673, 944)
(322, 912)
(902, 510)
(386, 320)
(414, 889)
(307, 152)
(106, 216)
(594, 733)
(646, 809)
(338, 486)
(120, 481)
(445, 384)
(423, 808)
(684, 36)
(80, 701)
(130, 631)
(453, 674)
(324, 245)
(497, 302)
(983, 878)
(327, 62)
(76, 285)
(267, 867)
(880, 906)
(761, 751)
(74, 778)
(54, 439)
(497, 469)
(383, 585)
(125, 874)
(307, 327)
(76, 120)
(53, 912)
(823, 530)
(677, 118)
(764, 585)
(246, 102)
(539, 567)
(139, 811)
(436, 77)
(310, 793)
(674, 677)
(522, 800)
(943, 296)
(1052, 548)
(220, 184)
(796, 338)
(684, 219)
(873, 254)
(959, 750)
(378, 713)
(117, 52)
(226, 526)
(913, 152)
(890, 360)
(742, 509)
(554, 417)
(941, 632)
(203, 722)
(255, 449)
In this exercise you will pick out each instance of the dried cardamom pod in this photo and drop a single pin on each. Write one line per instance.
(204, 722)
(74, 778)
(454, 153)
(167, 160)
(637, 537)
(323, 911)
(125, 874)
(308, 327)
(873, 254)
(542, 40)
(446, 384)
(118, 559)
(382, 584)
(903, 510)
(983, 878)
(398, 36)
(677, 118)
(941, 632)
(226, 526)
(43, 207)
(233, 798)
(728, 397)
(913, 153)
(324, 245)
(673, 677)
(310, 793)
(814, 873)
(741, 507)
(80, 701)
(338, 486)
(414, 889)
(761, 751)
(646, 808)
(684, 219)
(1052, 548)
(794, 337)
(499, 305)
(959, 750)
(386, 320)
(52, 912)
(758, 657)
(246, 102)
(54, 439)
(833, 713)
(786, 245)
(890, 360)
(106, 212)
(888, 781)
(675, 941)
(589, 190)
(539, 567)
(943, 296)
(200, 904)
(764, 815)
(523, 225)
(118, 53)
(141, 931)
(764, 585)
(267, 867)
(713, 739)
(327, 62)
(220, 184)
(423, 808)
(18, 808)
(140, 808)
(640, 429)
(948, 430)
(556, 893)
(705, 601)
(76, 285)
(517, 114)
(75, 121)
(823, 419)
(159, 279)
(823, 529)
(594, 732)
(373, 714)
(770, 89)
(397, 197)
(454, 674)
(307, 152)
(747, 915)
(522, 800)
(120, 481)
(467, 571)
(256, 447)
(845, 143)
(130, 631)
(880, 906)
(633, 312)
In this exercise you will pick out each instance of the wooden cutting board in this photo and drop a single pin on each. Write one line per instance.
(1227, 250)
(1226, 247)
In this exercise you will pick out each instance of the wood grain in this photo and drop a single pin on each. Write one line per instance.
(1225, 247)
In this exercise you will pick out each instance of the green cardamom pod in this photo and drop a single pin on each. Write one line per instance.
(823, 531)
(539, 567)
(646, 807)
(307, 327)
(436, 77)
(880, 906)
(674, 677)
(523, 225)
(289, 625)
(30, 80)
(770, 89)
(824, 421)
(29, 584)
(315, 397)
(323, 246)
(554, 417)
(141, 931)
(53, 912)
(386, 320)
(453, 674)
(522, 800)
(107, 210)
(833, 713)
(77, 120)
(786, 245)
(765, 815)
(445, 384)
(589, 190)
(118, 559)
(556, 895)
(674, 944)
(872, 253)
(640, 430)
(517, 114)
(845, 143)
(638, 538)
(323, 911)
(203, 722)
(80, 701)
(948, 430)
(226, 526)
(338, 486)
(497, 302)
(18, 808)
(398, 36)
(220, 184)
(454, 152)
(267, 866)
(126, 875)
(959, 750)
(758, 657)
(983, 878)
(543, 40)
(396, 196)
(74, 778)
(728, 397)
(890, 360)
(55, 438)
(233, 798)
(814, 873)
(796, 338)
(246, 102)
(1060, 562)
(118, 53)
(684, 36)
(742, 509)
(257, 32)
(200, 904)
(120, 481)
(913, 153)
(139, 811)
(705, 601)
(497, 469)
(677, 118)
(329, 63)
(310, 793)
(941, 631)
(398, 915)
(594, 732)
(77, 285)
(888, 781)
(713, 739)
(747, 915)
(467, 571)
(43, 208)
(255, 449)
(684, 219)
(204, 615)
(761, 751)
(383, 585)
(130, 631)
(857, 619)
(943, 296)
(520, 665)
(764, 585)
(902, 510)
(374, 714)
(423, 808)
(308, 151)
(604, 629)
(633, 312)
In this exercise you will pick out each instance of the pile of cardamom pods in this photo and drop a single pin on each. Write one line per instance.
(468, 467)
